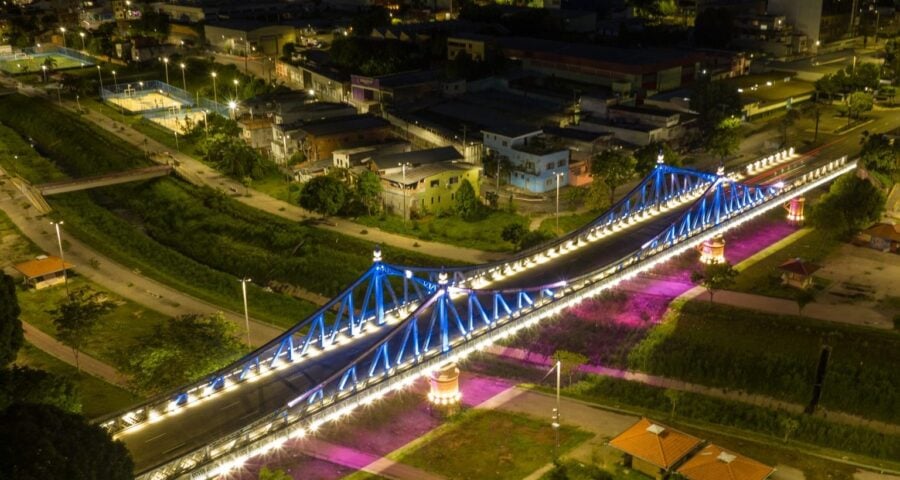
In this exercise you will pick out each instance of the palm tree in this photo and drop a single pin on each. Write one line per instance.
(50, 63)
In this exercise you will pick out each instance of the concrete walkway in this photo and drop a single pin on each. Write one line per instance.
(89, 364)
(115, 277)
(726, 394)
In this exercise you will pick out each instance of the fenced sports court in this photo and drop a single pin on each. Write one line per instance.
(30, 60)
(161, 103)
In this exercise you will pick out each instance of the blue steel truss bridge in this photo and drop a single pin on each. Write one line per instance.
(395, 323)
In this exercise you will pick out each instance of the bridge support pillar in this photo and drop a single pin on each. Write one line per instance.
(795, 210)
(712, 250)
(444, 393)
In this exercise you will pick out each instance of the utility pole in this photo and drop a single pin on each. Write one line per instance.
(556, 419)
(558, 176)
(244, 281)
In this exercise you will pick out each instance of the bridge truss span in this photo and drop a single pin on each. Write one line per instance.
(439, 319)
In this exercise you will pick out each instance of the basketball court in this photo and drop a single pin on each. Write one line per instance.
(177, 119)
(145, 100)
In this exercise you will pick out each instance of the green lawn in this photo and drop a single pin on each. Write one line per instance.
(609, 462)
(567, 222)
(483, 234)
(115, 331)
(33, 64)
(275, 185)
(14, 248)
(776, 355)
(97, 397)
(764, 278)
(490, 444)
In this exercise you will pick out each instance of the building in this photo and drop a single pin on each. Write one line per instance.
(430, 188)
(881, 236)
(324, 82)
(798, 273)
(389, 163)
(640, 125)
(716, 463)
(654, 449)
(769, 33)
(318, 139)
(392, 89)
(582, 145)
(641, 71)
(827, 23)
(355, 157)
(477, 47)
(539, 163)
(44, 271)
(257, 132)
(244, 36)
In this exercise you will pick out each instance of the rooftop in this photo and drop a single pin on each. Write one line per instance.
(884, 230)
(417, 174)
(575, 134)
(417, 158)
(512, 130)
(42, 266)
(539, 145)
(337, 125)
(716, 463)
(799, 266)
(646, 110)
(635, 57)
(654, 443)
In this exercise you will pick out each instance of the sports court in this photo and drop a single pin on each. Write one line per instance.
(178, 120)
(146, 100)
(20, 62)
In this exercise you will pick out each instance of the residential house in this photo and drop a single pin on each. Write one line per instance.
(582, 145)
(654, 450)
(257, 132)
(716, 463)
(405, 87)
(240, 36)
(540, 164)
(390, 163)
(428, 188)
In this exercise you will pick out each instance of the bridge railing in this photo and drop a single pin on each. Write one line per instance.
(365, 305)
(663, 188)
(303, 416)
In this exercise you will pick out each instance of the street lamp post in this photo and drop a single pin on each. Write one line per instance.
(235, 88)
(83, 48)
(183, 79)
(556, 424)
(215, 93)
(44, 69)
(115, 81)
(403, 185)
(244, 281)
(558, 175)
(62, 257)
(232, 106)
(100, 75)
(63, 30)
(166, 63)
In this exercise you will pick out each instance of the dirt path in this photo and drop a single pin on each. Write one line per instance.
(89, 364)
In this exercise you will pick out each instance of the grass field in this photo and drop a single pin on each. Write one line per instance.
(33, 64)
(483, 234)
(490, 444)
(97, 397)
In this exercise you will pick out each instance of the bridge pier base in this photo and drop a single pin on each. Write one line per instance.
(795, 210)
(444, 394)
(712, 250)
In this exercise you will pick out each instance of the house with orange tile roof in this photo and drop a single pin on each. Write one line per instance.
(43, 271)
(654, 449)
(716, 463)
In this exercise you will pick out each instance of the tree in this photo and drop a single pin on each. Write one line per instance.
(49, 62)
(77, 316)
(570, 363)
(180, 350)
(859, 102)
(324, 195)
(597, 197)
(42, 441)
(851, 204)
(11, 334)
(714, 276)
(233, 156)
(789, 425)
(724, 140)
(364, 22)
(613, 168)
(880, 154)
(714, 27)
(804, 297)
(513, 233)
(368, 190)
(575, 197)
(28, 385)
(714, 102)
(467, 205)
(648, 155)
(533, 238)
(787, 121)
(674, 397)
(266, 474)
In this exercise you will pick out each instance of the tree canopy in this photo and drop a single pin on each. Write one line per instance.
(180, 350)
(715, 276)
(851, 204)
(725, 138)
(647, 155)
(613, 167)
(43, 442)
(232, 156)
(28, 385)
(325, 195)
(880, 154)
(368, 190)
(77, 317)
(11, 334)
(715, 101)
(467, 205)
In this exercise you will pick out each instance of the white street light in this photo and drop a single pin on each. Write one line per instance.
(63, 30)
(232, 105)
(166, 63)
(115, 81)
(81, 34)
(215, 93)
(556, 418)
(244, 281)
(235, 87)
(62, 257)
(183, 80)
(44, 69)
